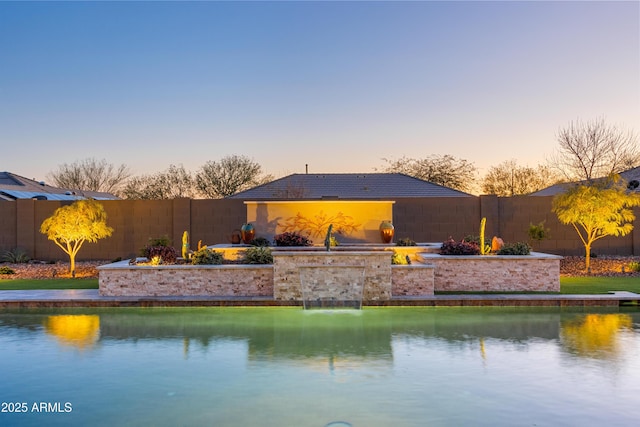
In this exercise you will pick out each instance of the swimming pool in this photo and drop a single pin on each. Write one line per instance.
(290, 367)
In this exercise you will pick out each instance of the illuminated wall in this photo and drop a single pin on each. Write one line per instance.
(353, 221)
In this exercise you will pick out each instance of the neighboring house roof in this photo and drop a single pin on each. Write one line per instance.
(628, 175)
(13, 187)
(347, 186)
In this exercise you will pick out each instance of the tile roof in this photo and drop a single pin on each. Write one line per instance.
(14, 187)
(628, 175)
(347, 186)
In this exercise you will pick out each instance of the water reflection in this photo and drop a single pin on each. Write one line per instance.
(595, 335)
(78, 331)
(398, 366)
(327, 339)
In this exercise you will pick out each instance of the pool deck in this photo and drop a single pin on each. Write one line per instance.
(91, 298)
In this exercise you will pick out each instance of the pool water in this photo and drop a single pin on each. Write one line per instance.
(289, 367)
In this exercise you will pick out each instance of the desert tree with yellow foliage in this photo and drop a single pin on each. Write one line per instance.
(596, 210)
(70, 226)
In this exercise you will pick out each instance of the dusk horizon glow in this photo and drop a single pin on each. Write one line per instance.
(337, 86)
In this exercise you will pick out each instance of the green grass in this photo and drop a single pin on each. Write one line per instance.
(31, 284)
(579, 285)
(598, 285)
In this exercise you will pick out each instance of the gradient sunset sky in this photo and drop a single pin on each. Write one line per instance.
(335, 85)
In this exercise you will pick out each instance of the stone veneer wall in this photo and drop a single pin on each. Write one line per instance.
(120, 279)
(493, 273)
(286, 277)
(412, 280)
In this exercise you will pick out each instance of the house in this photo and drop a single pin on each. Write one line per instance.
(347, 186)
(13, 187)
(631, 176)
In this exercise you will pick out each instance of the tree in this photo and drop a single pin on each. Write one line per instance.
(602, 208)
(173, 183)
(443, 170)
(91, 175)
(509, 179)
(72, 225)
(228, 176)
(594, 149)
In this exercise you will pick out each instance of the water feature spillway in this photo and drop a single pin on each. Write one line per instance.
(332, 275)
(331, 286)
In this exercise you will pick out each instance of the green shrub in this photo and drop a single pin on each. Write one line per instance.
(159, 241)
(406, 242)
(258, 255)
(259, 241)
(538, 231)
(205, 256)
(452, 247)
(7, 270)
(399, 259)
(518, 248)
(15, 256)
(634, 266)
(291, 238)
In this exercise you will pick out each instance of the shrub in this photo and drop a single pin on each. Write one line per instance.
(205, 256)
(258, 255)
(634, 266)
(15, 256)
(469, 238)
(518, 248)
(399, 259)
(291, 239)
(159, 241)
(538, 231)
(7, 270)
(452, 247)
(156, 260)
(259, 241)
(405, 242)
(167, 254)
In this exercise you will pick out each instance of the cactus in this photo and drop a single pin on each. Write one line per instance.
(327, 239)
(185, 244)
(483, 248)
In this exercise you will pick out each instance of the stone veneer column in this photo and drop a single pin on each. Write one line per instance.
(286, 276)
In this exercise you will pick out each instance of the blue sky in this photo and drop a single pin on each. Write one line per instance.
(335, 85)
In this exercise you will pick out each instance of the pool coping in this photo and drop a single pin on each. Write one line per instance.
(90, 298)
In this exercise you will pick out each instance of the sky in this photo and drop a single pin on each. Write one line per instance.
(338, 86)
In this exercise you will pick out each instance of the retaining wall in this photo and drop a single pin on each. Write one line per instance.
(495, 273)
(120, 279)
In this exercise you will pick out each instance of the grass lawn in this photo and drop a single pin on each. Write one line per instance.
(568, 285)
(598, 285)
(27, 284)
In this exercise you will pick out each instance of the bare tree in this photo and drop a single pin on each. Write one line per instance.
(91, 175)
(443, 170)
(228, 176)
(173, 183)
(509, 179)
(594, 149)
